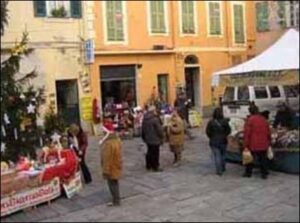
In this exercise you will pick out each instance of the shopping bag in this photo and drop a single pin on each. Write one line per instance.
(270, 153)
(247, 157)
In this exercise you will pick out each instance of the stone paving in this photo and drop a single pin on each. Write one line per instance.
(190, 193)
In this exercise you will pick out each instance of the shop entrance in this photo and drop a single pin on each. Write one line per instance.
(67, 101)
(118, 84)
(192, 80)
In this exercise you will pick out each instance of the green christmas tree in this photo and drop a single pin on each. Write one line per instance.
(20, 102)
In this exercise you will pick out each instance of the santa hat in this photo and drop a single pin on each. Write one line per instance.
(109, 126)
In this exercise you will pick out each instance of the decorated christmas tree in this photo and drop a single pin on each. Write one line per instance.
(20, 101)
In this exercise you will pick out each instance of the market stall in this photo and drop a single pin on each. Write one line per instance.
(31, 182)
(278, 65)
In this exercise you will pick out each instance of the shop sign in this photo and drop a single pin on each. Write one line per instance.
(29, 198)
(86, 107)
(89, 51)
(73, 186)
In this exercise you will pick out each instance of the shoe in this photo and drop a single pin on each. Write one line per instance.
(264, 177)
(220, 174)
(247, 175)
(158, 170)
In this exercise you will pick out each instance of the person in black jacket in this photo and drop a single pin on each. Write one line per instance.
(217, 131)
(284, 116)
(152, 135)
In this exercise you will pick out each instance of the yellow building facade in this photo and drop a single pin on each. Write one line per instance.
(166, 44)
(57, 39)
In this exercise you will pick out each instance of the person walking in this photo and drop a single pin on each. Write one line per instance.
(257, 139)
(175, 132)
(182, 105)
(111, 162)
(79, 142)
(217, 131)
(152, 135)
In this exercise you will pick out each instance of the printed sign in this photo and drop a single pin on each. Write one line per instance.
(73, 186)
(260, 78)
(89, 51)
(86, 106)
(30, 198)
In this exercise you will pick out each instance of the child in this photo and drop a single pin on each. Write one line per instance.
(111, 162)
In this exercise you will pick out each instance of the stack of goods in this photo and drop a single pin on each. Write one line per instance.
(195, 118)
(283, 138)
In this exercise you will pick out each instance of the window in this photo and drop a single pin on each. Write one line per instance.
(158, 17)
(288, 13)
(291, 91)
(162, 80)
(214, 10)
(274, 91)
(57, 9)
(239, 26)
(188, 17)
(229, 94)
(243, 93)
(260, 92)
(262, 16)
(114, 21)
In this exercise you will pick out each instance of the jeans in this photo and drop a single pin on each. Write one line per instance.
(113, 186)
(261, 158)
(152, 157)
(219, 158)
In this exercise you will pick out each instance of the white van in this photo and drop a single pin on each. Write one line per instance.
(235, 101)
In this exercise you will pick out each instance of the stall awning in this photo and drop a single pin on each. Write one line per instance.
(281, 56)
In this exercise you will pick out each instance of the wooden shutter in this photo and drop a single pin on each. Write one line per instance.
(215, 18)
(76, 11)
(39, 8)
(281, 13)
(110, 20)
(262, 16)
(191, 17)
(162, 27)
(239, 24)
(119, 23)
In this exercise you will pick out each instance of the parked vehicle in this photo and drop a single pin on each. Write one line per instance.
(236, 99)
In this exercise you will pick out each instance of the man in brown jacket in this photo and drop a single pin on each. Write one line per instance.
(111, 162)
(176, 137)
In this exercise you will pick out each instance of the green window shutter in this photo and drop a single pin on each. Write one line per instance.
(184, 17)
(76, 8)
(239, 24)
(162, 27)
(188, 17)
(39, 8)
(115, 30)
(153, 16)
(281, 13)
(157, 17)
(262, 16)
(215, 18)
(191, 17)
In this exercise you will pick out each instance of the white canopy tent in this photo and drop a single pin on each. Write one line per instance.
(283, 55)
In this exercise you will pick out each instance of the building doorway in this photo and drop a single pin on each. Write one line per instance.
(67, 101)
(192, 80)
(118, 84)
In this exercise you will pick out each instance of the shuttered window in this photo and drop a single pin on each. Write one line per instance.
(262, 16)
(114, 21)
(157, 15)
(238, 13)
(214, 18)
(45, 8)
(188, 17)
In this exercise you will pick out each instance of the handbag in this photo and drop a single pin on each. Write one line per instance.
(270, 153)
(247, 157)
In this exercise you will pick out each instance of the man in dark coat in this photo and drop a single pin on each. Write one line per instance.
(152, 135)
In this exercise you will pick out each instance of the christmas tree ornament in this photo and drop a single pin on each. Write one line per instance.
(39, 122)
(30, 109)
(55, 137)
(16, 133)
(22, 96)
(3, 131)
(6, 119)
(3, 147)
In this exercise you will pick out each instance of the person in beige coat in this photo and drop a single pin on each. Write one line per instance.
(111, 162)
(176, 137)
